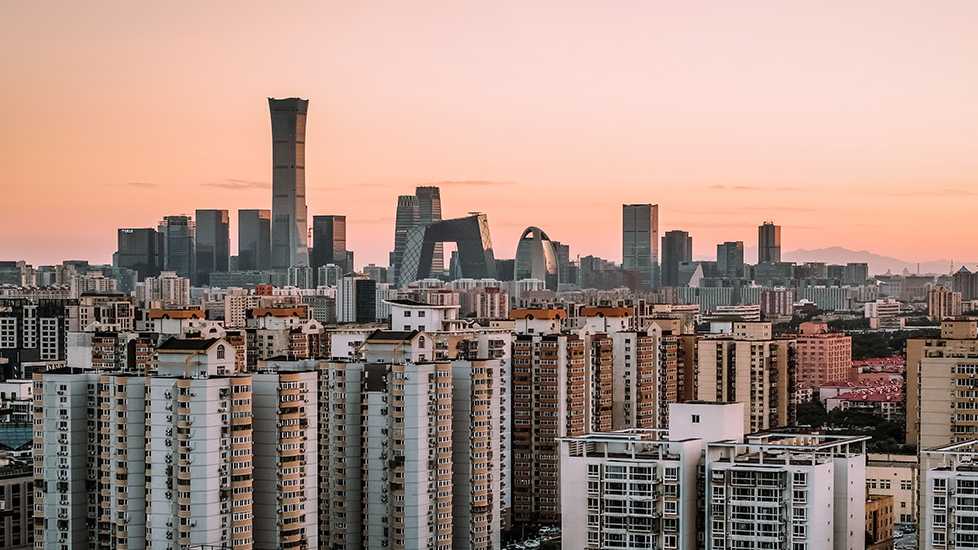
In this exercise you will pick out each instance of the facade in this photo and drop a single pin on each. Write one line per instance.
(536, 258)
(329, 242)
(16, 505)
(177, 245)
(139, 249)
(895, 476)
(356, 299)
(168, 289)
(768, 243)
(941, 388)
(289, 224)
(777, 302)
(475, 253)
(212, 244)
(885, 314)
(822, 356)
(254, 240)
(750, 366)
(677, 247)
(640, 242)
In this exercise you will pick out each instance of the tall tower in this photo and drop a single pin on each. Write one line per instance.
(429, 211)
(212, 244)
(289, 226)
(768, 243)
(254, 240)
(405, 219)
(677, 247)
(640, 242)
(329, 241)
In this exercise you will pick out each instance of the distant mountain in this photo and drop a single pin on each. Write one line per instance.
(878, 264)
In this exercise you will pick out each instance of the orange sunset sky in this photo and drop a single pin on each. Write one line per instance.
(849, 123)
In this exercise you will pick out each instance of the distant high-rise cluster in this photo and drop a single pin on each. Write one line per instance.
(188, 397)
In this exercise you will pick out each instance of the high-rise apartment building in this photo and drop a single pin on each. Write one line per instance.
(139, 249)
(410, 448)
(177, 239)
(948, 491)
(768, 243)
(752, 367)
(254, 240)
(33, 330)
(943, 303)
(549, 402)
(329, 242)
(730, 259)
(212, 244)
(141, 461)
(704, 484)
(941, 389)
(677, 247)
(289, 224)
(639, 242)
(822, 356)
(168, 289)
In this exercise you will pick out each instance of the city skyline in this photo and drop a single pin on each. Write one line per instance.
(886, 148)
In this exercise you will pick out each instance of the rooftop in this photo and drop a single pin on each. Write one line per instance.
(186, 344)
(391, 336)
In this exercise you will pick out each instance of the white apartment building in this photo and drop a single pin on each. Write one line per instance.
(641, 488)
(949, 497)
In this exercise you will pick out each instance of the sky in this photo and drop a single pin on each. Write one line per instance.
(848, 123)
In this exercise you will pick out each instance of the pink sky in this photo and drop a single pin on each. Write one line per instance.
(852, 124)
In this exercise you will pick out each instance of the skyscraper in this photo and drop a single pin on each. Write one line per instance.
(139, 249)
(677, 247)
(405, 219)
(254, 240)
(177, 239)
(730, 259)
(429, 211)
(639, 242)
(213, 244)
(329, 241)
(768, 243)
(289, 225)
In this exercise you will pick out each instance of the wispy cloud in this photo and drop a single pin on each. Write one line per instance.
(139, 184)
(238, 184)
(936, 192)
(471, 183)
(721, 187)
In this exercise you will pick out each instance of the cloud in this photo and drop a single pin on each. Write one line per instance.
(237, 184)
(470, 183)
(721, 187)
(140, 184)
(938, 192)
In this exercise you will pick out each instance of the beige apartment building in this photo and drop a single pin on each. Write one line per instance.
(942, 386)
(749, 366)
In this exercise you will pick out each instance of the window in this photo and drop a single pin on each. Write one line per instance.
(220, 351)
(696, 419)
